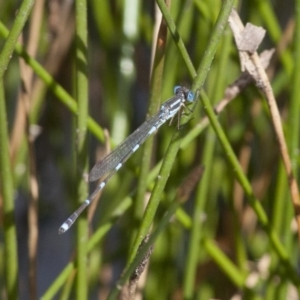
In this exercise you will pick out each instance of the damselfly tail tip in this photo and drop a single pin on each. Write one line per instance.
(63, 228)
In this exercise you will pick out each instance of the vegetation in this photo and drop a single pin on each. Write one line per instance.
(206, 209)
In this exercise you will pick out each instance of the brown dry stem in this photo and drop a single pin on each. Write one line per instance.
(251, 62)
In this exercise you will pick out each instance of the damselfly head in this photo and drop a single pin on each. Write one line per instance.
(186, 93)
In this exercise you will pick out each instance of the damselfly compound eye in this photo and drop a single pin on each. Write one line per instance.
(176, 88)
(190, 96)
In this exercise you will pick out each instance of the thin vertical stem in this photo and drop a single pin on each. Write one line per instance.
(6, 183)
(156, 88)
(203, 188)
(294, 121)
(6, 177)
(81, 143)
(175, 144)
(9, 46)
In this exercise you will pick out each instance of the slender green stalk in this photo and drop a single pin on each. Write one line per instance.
(157, 192)
(281, 222)
(155, 100)
(182, 13)
(176, 37)
(93, 243)
(70, 267)
(254, 203)
(248, 190)
(274, 30)
(234, 274)
(237, 276)
(9, 46)
(59, 281)
(156, 91)
(197, 223)
(175, 144)
(203, 187)
(55, 88)
(213, 43)
(81, 144)
(103, 15)
(293, 120)
(143, 250)
(7, 188)
(6, 182)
